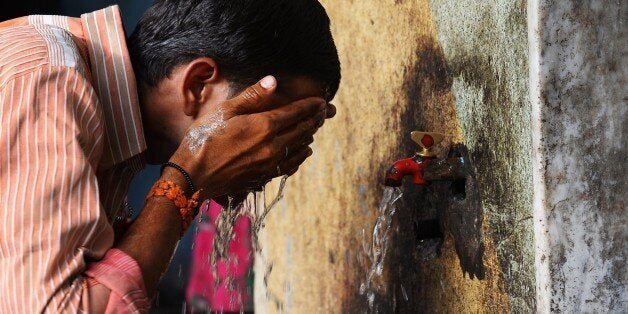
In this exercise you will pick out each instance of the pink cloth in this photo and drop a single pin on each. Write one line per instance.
(120, 274)
(219, 294)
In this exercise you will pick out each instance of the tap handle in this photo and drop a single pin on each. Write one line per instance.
(426, 140)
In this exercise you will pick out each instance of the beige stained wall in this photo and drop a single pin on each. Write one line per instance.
(457, 67)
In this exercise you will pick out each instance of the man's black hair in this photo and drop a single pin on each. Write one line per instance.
(247, 38)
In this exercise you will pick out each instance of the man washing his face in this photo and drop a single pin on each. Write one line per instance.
(227, 93)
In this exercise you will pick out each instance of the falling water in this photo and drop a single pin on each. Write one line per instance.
(256, 208)
(224, 230)
(258, 212)
(373, 255)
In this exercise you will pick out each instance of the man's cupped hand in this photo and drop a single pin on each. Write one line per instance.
(246, 141)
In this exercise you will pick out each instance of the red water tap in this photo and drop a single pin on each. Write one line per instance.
(409, 166)
(414, 165)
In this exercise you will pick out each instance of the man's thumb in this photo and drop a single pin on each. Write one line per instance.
(254, 98)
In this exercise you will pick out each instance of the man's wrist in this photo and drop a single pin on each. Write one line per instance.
(174, 175)
(185, 174)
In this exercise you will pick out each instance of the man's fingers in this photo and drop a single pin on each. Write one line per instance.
(253, 99)
(331, 111)
(285, 117)
(296, 146)
(300, 134)
(291, 165)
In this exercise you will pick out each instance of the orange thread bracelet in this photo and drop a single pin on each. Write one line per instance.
(174, 193)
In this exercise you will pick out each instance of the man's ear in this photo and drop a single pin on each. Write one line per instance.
(201, 78)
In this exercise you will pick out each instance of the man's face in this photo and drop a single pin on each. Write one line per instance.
(165, 123)
(291, 89)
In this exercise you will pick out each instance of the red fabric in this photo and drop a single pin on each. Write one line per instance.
(216, 292)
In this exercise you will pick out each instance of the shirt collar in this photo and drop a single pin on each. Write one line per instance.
(114, 82)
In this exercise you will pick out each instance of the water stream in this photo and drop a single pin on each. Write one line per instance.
(373, 255)
(223, 262)
(256, 207)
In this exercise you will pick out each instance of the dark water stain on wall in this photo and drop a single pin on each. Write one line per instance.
(425, 83)
(430, 108)
(413, 286)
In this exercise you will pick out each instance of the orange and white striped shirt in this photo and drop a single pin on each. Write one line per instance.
(71, 140)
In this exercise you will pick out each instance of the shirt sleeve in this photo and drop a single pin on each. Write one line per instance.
(52, 221)
(121, 277)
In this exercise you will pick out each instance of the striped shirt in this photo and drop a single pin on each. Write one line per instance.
(71, 139)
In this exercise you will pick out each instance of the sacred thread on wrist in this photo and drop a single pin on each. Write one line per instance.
(173, 192)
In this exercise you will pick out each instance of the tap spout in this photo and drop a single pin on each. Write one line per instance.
(412, 166)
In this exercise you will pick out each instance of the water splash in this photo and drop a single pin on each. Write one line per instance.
(405, 294)
(224, 230)
(373, 254)
(256, 208)
(259, 212)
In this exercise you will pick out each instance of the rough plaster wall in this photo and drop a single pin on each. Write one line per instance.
(457, 67)
(581, 140)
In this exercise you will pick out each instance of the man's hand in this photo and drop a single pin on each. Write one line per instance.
(243, 144)
(238, 147)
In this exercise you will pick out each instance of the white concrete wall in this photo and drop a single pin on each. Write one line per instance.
(578, 71)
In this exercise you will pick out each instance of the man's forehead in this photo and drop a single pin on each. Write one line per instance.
(291, 89)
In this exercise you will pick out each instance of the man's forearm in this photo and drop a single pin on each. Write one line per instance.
(153, 236)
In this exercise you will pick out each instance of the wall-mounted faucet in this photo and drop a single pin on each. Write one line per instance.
(452, 185)
(416, 164)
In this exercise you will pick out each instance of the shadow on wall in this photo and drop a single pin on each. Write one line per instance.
(418, 280)
(427, 85)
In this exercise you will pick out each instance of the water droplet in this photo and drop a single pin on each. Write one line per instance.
(403, 291)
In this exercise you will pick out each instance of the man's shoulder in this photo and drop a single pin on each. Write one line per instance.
(25, 48)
